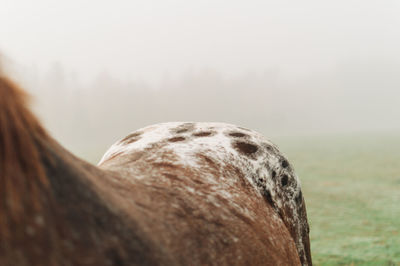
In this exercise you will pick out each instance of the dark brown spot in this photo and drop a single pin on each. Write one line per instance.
(299, 197)
(132, 140)
(238, 134)
(245, 148)
(284, 163)
(268, 197)
(202, 134)
(133, 135)
(176, 139)
(199, 182)
(171, 176)
(284, 180)
(183, 128)
(273, 174)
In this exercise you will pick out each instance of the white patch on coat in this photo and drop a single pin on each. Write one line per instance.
(219, 147)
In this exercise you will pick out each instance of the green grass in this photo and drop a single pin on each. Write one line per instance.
(352, 191)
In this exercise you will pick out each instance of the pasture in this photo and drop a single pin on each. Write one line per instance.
(352, 191)
(351, 185)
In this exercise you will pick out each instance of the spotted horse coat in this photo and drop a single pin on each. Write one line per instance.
(205, 189)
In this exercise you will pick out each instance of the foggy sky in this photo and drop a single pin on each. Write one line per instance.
(158, 38)
(281, 67)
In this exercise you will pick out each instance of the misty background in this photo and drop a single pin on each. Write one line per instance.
(98, 70)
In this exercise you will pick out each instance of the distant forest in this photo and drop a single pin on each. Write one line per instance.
(90, 116)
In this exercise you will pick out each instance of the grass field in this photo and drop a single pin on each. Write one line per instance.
(352, 190)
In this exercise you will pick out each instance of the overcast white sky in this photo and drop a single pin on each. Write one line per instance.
(148, 39)
(309, 66)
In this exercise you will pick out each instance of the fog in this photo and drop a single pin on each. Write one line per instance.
(100, 69)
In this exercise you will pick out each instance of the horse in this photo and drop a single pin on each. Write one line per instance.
(179, 193)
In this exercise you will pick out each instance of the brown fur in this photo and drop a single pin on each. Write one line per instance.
(22, 180)
(56, 209)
